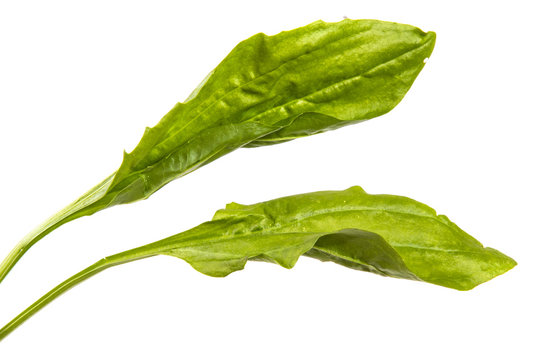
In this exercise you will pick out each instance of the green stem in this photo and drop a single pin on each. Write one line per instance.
(103, 264)
(83, 206)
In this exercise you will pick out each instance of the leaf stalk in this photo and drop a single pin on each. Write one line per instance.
(99, 266)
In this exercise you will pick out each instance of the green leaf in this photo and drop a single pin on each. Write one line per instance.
(271, 89)
(387, 235)
(432, 248)
(268, 90)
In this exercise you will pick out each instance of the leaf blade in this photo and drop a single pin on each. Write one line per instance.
(281, 231)
(432, 247)
(293, 84)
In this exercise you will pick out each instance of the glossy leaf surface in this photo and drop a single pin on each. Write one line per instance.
(387, 235)
(271, 89)
(268, 90)
(432, 248)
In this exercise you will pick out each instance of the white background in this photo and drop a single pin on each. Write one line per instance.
(79, 81)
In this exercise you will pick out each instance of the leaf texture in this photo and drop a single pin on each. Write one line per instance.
(384, 234)
(272, 89)
(387, 235)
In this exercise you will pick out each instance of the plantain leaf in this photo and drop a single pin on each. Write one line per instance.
(272, 89)
(387, 235)
(430, 246)
(268, 90)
